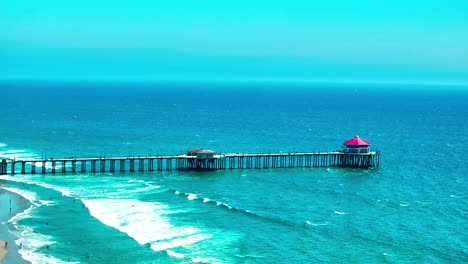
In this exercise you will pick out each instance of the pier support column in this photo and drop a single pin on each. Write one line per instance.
(150, 164)
(83, 166)
(64, 166)
(53, 166)
(74, 166)
(23, 167)
(122, 165)
(93, 166)
(112, 166)
(102, 165)
(160, 165)
(141, 165)
(132, 165)
(168, 164)
(12, 168)
(33, 168)
(3, 167)
(44, 166)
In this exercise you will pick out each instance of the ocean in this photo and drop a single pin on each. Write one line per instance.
(411, 209)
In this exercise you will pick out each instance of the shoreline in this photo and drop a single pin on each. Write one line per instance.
(11, 204)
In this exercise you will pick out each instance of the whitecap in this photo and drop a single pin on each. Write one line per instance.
(340, 213)
(314, 224)
(203, 260)
(175, 254)
(191, 196)
(47, 203)
(179, 242)
(404, 205)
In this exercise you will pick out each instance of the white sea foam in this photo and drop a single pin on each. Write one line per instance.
(404, 205)
(179, 242)
(204, 260)
(47, 166)
(17, 154)
(2, 145)
(65, 192)
(315, 224)
(47, 203)
(28, 195)
(143, 221)
(340, 213)
(191, 196)
(30, 241)
(175, 254)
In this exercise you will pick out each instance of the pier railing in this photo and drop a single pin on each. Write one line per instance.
(227, 161)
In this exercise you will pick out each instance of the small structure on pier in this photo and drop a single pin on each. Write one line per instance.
(356, 145)
(201, 153)
(206, 154)
(193, 151)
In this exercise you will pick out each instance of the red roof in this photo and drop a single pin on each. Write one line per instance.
(356, 141)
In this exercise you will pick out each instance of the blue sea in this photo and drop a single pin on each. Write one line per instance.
(411, 209)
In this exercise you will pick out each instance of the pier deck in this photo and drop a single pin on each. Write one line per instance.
(228, 161)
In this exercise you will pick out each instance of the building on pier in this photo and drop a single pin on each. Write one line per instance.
(193, 151)
(201, 153)
(356, 145)
(206, 154)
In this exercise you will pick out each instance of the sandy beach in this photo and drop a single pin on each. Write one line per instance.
(10, 205)
(3, 250)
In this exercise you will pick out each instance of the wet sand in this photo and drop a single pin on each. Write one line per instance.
(10, 205)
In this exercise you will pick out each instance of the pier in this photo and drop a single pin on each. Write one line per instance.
(192, 163)
(355, 154)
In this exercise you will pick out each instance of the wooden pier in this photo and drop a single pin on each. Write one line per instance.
(191, 163)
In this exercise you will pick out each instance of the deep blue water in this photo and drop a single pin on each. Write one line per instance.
(412, 209)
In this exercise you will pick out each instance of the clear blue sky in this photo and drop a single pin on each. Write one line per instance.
(336, 41)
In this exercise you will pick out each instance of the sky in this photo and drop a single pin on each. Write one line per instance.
(332, 41)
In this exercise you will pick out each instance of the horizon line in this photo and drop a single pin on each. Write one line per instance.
(113, 79)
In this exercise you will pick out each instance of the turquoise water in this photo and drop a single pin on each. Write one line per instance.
(412, 209)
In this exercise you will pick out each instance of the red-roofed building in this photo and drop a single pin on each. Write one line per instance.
(356, 145)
